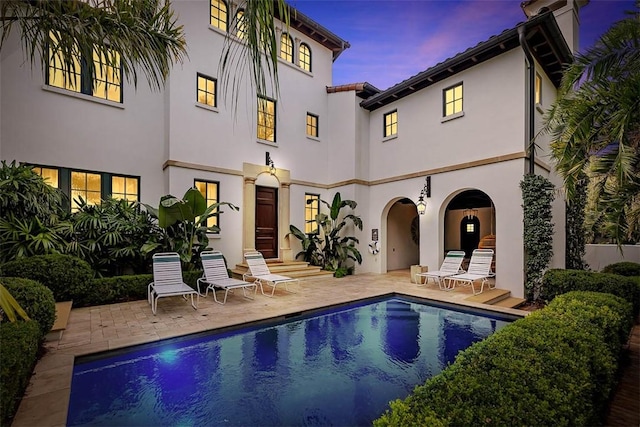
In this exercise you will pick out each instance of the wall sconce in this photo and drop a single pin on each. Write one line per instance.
(426, 192)
(470, 213)
(269, 162)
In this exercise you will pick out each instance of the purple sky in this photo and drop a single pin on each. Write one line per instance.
(392, 40)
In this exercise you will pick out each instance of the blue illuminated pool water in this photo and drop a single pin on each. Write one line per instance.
(340, 367)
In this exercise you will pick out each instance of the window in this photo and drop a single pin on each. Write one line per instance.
(286, 48)
(49, 175)
(538, 89)
(124, 187)
(471, 227)
(241, 25)
(452, 100)
(312, 125)
(266, 119)
(218, 14)
(304, 57)
(206, 91)
(391, 124)
(209, 190)
(311, 210)
(86, 185)
(105, 84)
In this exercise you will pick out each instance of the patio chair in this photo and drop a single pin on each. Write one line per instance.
(451, 265)
(479, 269)
(167, 280)
(215, 276)
(259, 270)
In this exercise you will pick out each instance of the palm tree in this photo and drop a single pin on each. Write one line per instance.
(143, 32)
(595, 127)
(258, 56)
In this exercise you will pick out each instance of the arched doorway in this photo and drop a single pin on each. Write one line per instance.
(469, 220)
(402, 235)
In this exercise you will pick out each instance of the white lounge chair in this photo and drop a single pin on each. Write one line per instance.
(479, 269)
(259, 270)
(216, 276)
(451, 265)
(167, 280)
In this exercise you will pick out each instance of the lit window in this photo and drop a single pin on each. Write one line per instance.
(241, 25)
(49, 175)
(304, 57)
(470, 227)
(124, 187)
(391, 123)
(311, 210)
(206, 91)
(266, 119)
(538, 89)
(106, 83)
(219, 14)
(209, 190)
(286, 48)
(453, 100)
(312, 125)
(85, 185)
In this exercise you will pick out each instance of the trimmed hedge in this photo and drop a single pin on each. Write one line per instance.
(624, 268)
(19, 342)
(111, 290)
(35, 299)
(553, 367)
(65, 275)
(557, 282)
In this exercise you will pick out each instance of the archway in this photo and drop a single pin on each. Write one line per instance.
(402, 232)
(469, 222)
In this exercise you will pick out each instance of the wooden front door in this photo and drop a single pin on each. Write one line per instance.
(267, 221)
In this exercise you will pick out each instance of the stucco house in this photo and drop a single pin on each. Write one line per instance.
(462, 127)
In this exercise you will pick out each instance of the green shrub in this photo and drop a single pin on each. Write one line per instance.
(67, 276)
(35, 299)
(19, 342)
(111, 290)
(625, 268)
(553, 367)
(557, 282)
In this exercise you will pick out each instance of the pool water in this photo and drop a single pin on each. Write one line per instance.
(340, 367)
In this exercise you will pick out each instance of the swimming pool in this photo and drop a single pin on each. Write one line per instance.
(337, 367)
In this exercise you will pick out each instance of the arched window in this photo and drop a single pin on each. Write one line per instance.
(304, 59)
(219, 14)
(241, 25)
(286, 48)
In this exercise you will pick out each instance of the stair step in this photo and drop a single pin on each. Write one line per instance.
(490, 296)
(63, 310)
(307, 272)
(510, 302)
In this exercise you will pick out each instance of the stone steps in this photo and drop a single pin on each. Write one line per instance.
(63, 310)
(497, 297)
(295, 269)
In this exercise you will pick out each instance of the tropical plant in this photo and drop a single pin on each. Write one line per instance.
(109, 236)
(595, 127)
(144, 33)
(258, 55)
(329, 249)
(9, 307)
(575, 225)
(184, 222)
(537, 195)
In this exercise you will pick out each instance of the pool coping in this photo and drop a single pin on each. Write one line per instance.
(46, 399)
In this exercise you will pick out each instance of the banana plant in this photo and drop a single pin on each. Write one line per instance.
(330, 249)
(184, 222)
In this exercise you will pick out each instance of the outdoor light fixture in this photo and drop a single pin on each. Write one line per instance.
(269, 162)
(470, 213)
(426, 192)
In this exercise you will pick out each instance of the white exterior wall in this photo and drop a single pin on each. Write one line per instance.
(598, 256)
(493, 104)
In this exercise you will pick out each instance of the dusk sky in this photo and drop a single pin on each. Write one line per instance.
(392, 40)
